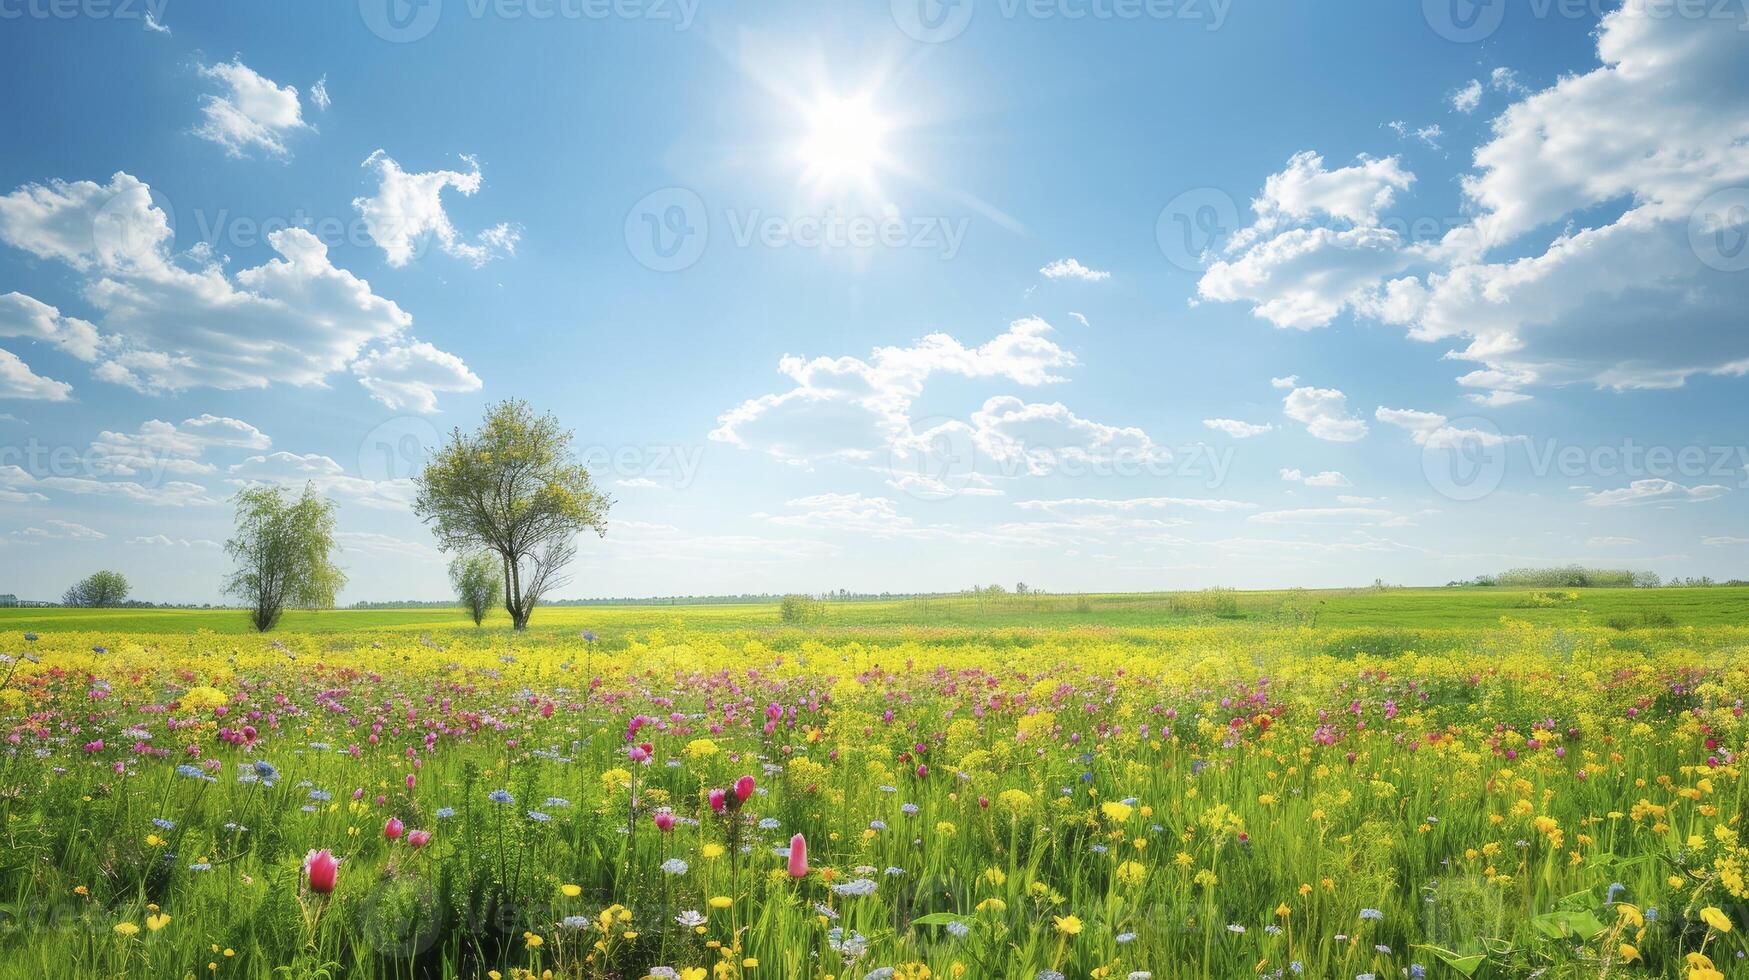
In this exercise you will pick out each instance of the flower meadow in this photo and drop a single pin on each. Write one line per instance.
(1187, 802)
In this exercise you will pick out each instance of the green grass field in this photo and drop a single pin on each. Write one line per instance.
(1406, 609)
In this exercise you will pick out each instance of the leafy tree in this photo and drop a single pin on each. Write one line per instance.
(282, 550)
(97, 590)
(512, 488)
(477, 582)
(797, 609)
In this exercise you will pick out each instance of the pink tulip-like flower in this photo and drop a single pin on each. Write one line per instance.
(411, 780)
(664, 819)
(719, 800)
(322, 869)
(743, 788)
(798, 856)
(419, 838)
(638, 753)
(392, 830)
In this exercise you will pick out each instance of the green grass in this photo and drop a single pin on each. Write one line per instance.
(1404, 609)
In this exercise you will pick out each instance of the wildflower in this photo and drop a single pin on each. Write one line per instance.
(394, 828)
(690, 918)
(419, 838)
(721, 902)
(571, 891)
(744, 788)
(1716, 918)
(1067, 925)
(1373, 915)
(798, 857)
(533, 940)
(674, 866)
(445, 812)
(855, 887)
(157, 921)
(539, 817)
(126, 929)
(322, 869)
(501, 797)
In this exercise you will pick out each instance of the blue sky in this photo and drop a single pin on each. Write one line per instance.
(1095, 294)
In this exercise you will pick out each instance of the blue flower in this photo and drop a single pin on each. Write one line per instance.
(501, 796)
(445, 812)
(163, 824)
(539, 817)
(674, 866)
(1372, 914)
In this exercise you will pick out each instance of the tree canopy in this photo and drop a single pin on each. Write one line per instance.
(282, 551)
(514, 488)
(97, 590)
(477, 582)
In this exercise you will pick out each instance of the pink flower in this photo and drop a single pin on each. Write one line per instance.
(743, 788)
(392, 829)
(664, 819)
(718, 800)
(638, 753)
(798, 856)
(419, 838)
(323, 869)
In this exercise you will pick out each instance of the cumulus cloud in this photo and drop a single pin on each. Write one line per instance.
(410, 376)
(1073, 269)
(160, 447)
(407, 211)
(853, 408)
(32, 319)
(296, 470)
(1324, 413)
(250, 111)
(171, 321)
(1236, 428)
(1605, 211)
(1434, 430)
(18, 483)
(1467, 97)
(1655, 492)
(1328, 478)
(17, 380)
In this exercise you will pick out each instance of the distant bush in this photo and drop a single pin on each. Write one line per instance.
(1209, 602)
(1641, 621)
(797, 609)
(1570, 577)
(1548, 600)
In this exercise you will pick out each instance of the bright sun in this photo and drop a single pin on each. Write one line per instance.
(844, 141)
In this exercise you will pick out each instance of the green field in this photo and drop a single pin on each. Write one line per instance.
(1384, 609)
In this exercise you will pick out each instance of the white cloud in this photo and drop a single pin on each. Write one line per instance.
(386, 546)
(1213, 505)
(1328, 478)
(1324, 412)
(850, 408)
(152, 24)
(1719, 541)
(1236, 428)
(17, 380)
(1433, 429)
(878, 516)
(1467, 97)
(251, 112)
(165, 541)
(1080, 319)
(1506, 80)
(162, 447)
(407, 211)
(1609, 541)
(32, 319)
(319, 93)
(411, 376)
(1073, 269)
(294, 470)
(1322, 515)
(173, 493)
(1655, 492)
(180, 321)
(1291, 381)
(62, 531)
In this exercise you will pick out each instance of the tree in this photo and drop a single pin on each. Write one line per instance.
(797, 609)
(477, 582)
(282, 551)
(97, 591)
(512, 488)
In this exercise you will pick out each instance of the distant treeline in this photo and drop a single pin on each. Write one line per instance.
(842, 595)
(1580, 577)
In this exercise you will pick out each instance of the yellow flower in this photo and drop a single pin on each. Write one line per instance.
(126, 929)
(156, 922)
(1068, 925)
(1131, 872)
(534, 941)
(1116, 812)
(699, 748)
(571, 891)
(711, 851)
(1628, 953)
(1712, 916)
(721, 902)
(693, 973)
(1282, 911)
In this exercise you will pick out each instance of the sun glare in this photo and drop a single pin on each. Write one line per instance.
(844, 142)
